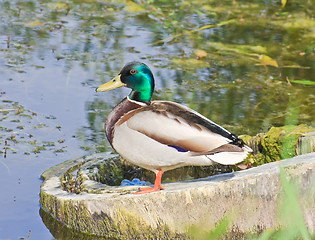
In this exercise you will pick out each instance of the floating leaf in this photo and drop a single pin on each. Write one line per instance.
(200, 53)
(17, 45)
(59, 6)
(196, 30)
(266, 60)
(35, 23)
(134, 7)
(295, 66)
(283, 3)
(239, 49)
(244, 165)
(189, 63)
(306, 82)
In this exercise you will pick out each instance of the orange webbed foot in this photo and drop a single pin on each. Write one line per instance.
(157, 184)
(149, 190)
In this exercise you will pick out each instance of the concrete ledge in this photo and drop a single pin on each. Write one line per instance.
(251, 196)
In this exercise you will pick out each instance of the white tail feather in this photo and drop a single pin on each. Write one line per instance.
(230, 158)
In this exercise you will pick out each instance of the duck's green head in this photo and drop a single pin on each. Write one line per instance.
(134, 75)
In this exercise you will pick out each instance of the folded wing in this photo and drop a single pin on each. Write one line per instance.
(179, 127)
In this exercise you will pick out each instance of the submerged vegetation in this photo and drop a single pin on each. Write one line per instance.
(26, 132)
(241, 64)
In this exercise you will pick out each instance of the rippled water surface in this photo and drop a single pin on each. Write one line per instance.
(247, 65)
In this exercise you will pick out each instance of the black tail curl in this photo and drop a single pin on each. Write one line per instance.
(237, 141)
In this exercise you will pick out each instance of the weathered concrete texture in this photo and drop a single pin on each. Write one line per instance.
(306, 143)
(250, 197)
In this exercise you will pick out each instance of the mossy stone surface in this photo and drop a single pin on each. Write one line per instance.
(279, 143)
(115, 212)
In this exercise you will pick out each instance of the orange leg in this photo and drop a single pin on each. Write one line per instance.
(157, 184)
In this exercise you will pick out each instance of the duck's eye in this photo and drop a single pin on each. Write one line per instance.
(133, 71)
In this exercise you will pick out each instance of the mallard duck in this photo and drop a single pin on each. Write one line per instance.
(163, 135)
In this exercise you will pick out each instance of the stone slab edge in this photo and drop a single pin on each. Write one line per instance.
(250, 197)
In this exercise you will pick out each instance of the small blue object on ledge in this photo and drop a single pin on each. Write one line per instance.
(134, 182)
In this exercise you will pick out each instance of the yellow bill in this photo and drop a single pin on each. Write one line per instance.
(112, 84)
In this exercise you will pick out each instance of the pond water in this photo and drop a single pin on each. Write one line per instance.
(247, 65)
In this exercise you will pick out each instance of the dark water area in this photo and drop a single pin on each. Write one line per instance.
(247, 65)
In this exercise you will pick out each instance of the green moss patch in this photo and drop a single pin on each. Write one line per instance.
(278, 143)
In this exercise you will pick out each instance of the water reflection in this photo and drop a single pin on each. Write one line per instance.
(61, 232)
